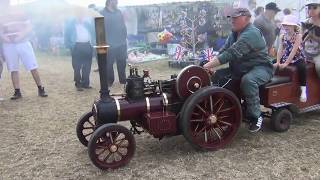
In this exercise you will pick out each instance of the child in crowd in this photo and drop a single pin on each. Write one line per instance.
(290, 51)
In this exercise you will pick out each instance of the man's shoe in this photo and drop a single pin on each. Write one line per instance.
(16, 95)
(256, 125)
(78, 87)
(42, 93)
(87, 87)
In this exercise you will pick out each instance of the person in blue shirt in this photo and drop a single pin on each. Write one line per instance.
(79, 37)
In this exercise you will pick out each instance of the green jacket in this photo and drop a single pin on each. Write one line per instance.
(247, 51)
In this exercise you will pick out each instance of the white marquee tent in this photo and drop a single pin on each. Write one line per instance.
(137, 2)
(297, 6)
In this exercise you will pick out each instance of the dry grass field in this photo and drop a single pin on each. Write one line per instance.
(38, 138)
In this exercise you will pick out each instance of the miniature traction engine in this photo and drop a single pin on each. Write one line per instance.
(207, 116)
(188, 104)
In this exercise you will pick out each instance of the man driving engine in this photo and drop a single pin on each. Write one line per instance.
(249, 63)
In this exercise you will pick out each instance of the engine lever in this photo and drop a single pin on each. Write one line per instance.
(134, 129)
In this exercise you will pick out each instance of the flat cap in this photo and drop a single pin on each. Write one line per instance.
(273, 6)
(239, 12)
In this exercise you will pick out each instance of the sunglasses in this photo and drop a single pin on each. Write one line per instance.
(312, 7)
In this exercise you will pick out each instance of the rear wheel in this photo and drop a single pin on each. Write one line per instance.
(281, 120)
(210, 118)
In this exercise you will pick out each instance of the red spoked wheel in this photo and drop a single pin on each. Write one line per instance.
(210, 118)
(85, 127)
(111, 146)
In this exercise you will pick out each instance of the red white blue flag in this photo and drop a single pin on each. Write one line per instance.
(208, 54)
(179, 53)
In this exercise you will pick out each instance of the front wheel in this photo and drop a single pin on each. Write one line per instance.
(111, 146)
(85, 128)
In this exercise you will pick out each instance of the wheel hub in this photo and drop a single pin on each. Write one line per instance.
(196, 85)
(212, 119)
(113, 148)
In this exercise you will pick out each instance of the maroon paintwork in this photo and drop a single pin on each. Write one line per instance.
(213, 119)
(111, 146)
(290, 92)
(160, 123)
(208, 117)
(191, 79)
(135, 110)
(152, 113)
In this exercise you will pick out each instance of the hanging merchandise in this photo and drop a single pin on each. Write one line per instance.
(152, 17)
(200, 28)
(164, 37)
(194, 26)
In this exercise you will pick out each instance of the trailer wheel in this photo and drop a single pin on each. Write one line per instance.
(85, 128)
(210, 118)
(281, 119)
(111, 146)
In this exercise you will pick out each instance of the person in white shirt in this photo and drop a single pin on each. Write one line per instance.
(249, 4)
(252, 5)
(79, 38)
(15, 29)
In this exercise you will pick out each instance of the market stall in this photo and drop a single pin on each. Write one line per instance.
(182, 30)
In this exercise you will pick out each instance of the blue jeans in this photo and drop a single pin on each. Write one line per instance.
(249, 85)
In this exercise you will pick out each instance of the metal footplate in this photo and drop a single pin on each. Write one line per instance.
(310, 108)
(280, 104)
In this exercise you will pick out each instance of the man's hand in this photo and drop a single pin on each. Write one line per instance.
(210, 71)
(212, 63)
(209, 67)
(202, 63)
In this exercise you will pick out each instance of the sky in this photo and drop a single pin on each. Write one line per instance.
(124, 2)
(102, 2)
(20, 1)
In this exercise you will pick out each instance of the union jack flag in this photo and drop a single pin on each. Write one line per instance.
(179, 52)
(208, 54)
